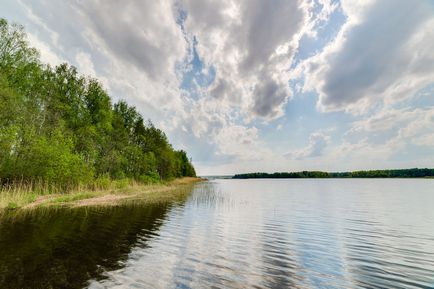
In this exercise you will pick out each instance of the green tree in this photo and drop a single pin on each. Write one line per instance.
(59, 127)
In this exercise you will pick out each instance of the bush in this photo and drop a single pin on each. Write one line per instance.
(122, 183)
(102, 182)
(151, 178)
(52, 160)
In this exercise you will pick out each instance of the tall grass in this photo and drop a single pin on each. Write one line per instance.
(20, 193)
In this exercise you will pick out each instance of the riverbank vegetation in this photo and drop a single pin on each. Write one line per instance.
(399, 173)
(61, 132)
(116, 192)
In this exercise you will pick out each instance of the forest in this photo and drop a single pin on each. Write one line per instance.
(399, 173)
(61, 128)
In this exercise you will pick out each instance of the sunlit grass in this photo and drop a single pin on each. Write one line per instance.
(73, 197)
(100, 193)
(18, 195)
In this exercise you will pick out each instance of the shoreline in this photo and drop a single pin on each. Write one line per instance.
(136, 192)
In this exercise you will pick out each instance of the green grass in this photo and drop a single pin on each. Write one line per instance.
(73, 197)
(13, 197)
(101, 192)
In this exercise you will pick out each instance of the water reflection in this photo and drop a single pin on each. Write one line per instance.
(290, 234)
(383, 258)
(236, 234)
(64, 248)
(279, 266)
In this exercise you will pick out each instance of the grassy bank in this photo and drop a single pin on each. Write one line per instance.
(26, 196)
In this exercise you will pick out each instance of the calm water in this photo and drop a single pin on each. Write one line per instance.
(338, 233)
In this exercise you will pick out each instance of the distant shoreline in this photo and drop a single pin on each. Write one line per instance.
(393, 173)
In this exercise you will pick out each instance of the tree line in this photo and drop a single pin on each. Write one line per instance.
(60, 127)
(397, 173)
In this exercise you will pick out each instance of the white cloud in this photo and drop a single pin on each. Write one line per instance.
(324, 9)
(421, 126)
(144, 34)
(408, 130)
(251, 45)
(385, 120)
(406, 122)
(85, 64)
(318, 141)
(383, 54)
(53, 36)
(132, 47)
(241, 142)
(47, 55)
(424, 140)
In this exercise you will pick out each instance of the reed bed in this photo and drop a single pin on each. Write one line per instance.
(26, 195)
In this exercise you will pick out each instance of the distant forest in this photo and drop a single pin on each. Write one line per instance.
(59, 127)
(401, 173)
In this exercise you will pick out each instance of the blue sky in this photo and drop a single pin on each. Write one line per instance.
(258, 85)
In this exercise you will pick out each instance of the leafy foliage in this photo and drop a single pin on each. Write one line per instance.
(59, 127)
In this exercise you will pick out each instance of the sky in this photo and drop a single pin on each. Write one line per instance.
(258, 85)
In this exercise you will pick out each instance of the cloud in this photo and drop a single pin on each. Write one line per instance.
(382, 55)
(47, 55)
(137, 48)
(318, 142)
(85, 64)
(238, 58)
(426, 140)
(135, 45)
(145, 34)
(418, 130)
(406, 122)
(403, 137)
(268, 98)
(250, 44)
(385, 120)
(214, 126)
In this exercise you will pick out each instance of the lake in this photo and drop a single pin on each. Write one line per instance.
(261, 233)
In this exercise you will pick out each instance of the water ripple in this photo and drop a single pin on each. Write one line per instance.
(288, 234)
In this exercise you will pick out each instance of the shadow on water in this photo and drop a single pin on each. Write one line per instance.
(64, 248)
